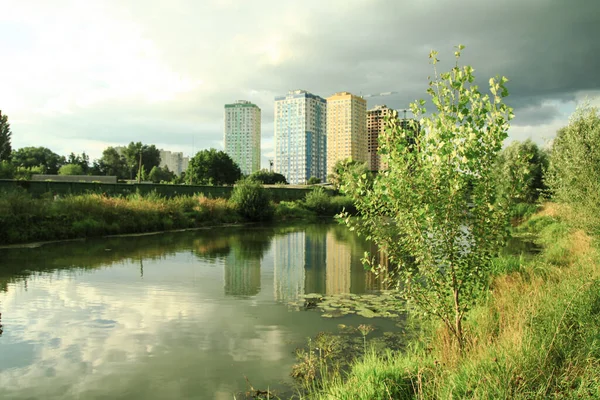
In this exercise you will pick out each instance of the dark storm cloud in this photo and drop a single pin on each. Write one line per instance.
(548, 49)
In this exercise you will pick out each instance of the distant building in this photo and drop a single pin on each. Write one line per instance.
(346, 128)
(301, 136)
(376, 127)
(174, 161)
(242, 135)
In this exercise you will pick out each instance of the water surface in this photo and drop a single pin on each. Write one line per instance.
(178, 315)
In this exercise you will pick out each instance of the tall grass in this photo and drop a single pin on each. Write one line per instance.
(26, 219)
(535, 335)
(23, 218)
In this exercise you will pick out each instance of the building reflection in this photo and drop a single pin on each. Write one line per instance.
(339, 261)
(241, 275)
(325, 260)
(290, 259)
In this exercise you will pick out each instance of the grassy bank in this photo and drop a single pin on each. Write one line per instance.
(536, 335)
(24, 218)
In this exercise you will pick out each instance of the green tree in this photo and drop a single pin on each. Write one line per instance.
(344, 170)
(71, 169)
(435, 210)
(5, 134)
(150, 157)
(212, 167)
(574, 170)
(161, 174)
(7, 170)
(82, 160)
(525, 155)
(111, 164)
(268, 178)
(42, 157)
(313, 180)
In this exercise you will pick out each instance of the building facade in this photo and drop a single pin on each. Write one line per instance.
(242, 135)
(346, 128)
(301, 136)
(174, 161)
(376, 127)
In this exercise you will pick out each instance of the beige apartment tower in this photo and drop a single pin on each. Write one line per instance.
(376, 127)
(346, 128)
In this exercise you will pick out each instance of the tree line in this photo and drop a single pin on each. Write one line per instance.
(136, 161)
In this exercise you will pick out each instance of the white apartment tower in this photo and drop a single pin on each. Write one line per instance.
(301, 136)
(242, 135)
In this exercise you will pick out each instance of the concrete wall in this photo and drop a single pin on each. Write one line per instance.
(75, 178)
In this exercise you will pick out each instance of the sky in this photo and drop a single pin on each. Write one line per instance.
(82, 75)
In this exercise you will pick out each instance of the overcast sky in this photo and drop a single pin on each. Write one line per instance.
(81, 75)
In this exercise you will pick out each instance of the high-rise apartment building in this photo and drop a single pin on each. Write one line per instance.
(346, 128)
(174, 161)
(300, 136)
(242, 135)
(376, 127)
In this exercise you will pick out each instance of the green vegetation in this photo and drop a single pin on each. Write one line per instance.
(212, 167)
(70, 169)
(530, 314)
(533, 335)
(344, 170)
(574, 171)
(252, 201)
(43, 158)
(533, 161)
(24, 218)
(435, 210)
(268, 178)
(5, 134)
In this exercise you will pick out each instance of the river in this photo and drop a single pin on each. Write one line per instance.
(186, 315)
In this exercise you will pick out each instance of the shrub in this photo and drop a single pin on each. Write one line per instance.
(318, 201)
(252, 201)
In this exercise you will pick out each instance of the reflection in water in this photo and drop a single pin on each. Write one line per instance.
(182, 315)
(242, 276)
(290, 259)
(339, 260)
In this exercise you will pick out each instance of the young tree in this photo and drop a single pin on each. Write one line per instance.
(5, 134)
(435, 211)
(212, 167)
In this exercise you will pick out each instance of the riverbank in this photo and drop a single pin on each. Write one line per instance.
(535, 335)
(25, 219)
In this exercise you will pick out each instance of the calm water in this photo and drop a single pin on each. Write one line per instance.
(180, 315)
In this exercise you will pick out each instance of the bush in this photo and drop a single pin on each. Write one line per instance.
(318, 201)
(287, 210)
(252, 201)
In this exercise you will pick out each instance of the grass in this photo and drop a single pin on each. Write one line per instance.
(24, 218)
(535, 336)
